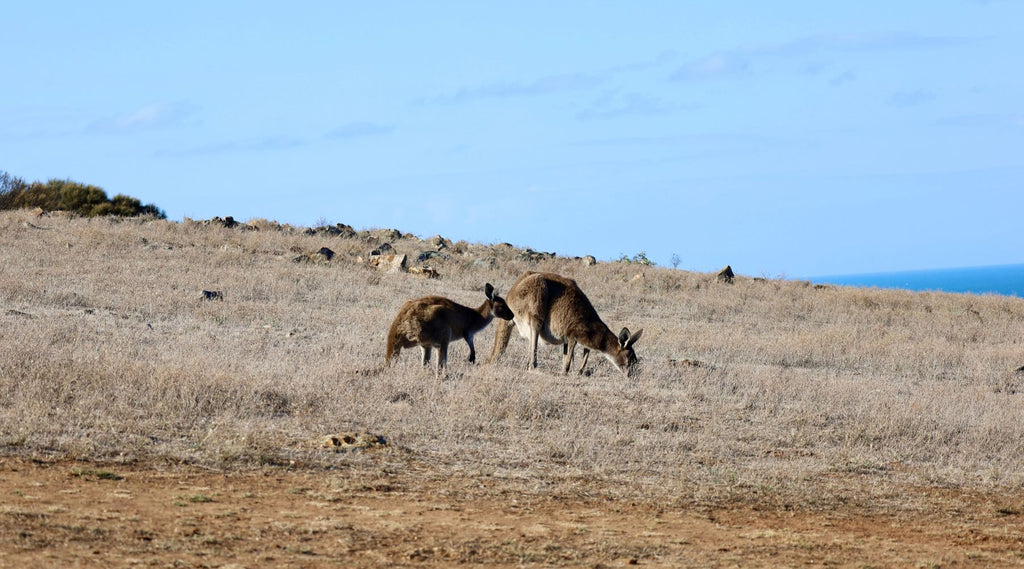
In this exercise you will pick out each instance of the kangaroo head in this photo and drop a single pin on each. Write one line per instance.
(626, 357)
(498, 306)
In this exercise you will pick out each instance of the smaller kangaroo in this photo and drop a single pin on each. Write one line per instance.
(552, 308)
(434, 321)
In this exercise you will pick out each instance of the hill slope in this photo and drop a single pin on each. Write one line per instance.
(762, 389)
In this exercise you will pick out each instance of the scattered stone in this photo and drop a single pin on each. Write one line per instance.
(228, 222)
(726, 275)
(386, 234)
(390, 263)
(486, 263)
(427, 272)
(353, 442)
(263, 224)
(439, 243)
(589, 261)
(325, 253)
(213, 295)
(536, 256)
(689, 363)
(336, 230)
(383, 249)
(428, 255)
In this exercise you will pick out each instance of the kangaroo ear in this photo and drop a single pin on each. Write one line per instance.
(633, 338)
(623, 337)
(489, 291)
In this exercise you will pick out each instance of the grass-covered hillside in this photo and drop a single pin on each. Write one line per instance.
(761, 388)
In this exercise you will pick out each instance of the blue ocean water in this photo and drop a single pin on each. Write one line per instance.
(1002, 279)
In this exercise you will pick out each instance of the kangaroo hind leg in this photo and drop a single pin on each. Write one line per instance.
(568, 350)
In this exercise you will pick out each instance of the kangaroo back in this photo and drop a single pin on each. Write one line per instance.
(552, 308)
(553, 304)
(435, 321)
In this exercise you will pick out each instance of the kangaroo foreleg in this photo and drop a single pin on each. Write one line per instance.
(586, 355)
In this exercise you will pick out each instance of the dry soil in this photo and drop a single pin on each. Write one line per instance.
(64, 514)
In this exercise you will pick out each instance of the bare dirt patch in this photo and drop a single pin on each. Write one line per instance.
(84, 514)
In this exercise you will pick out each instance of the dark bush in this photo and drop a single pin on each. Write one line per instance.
(10, 187)
(68, 195)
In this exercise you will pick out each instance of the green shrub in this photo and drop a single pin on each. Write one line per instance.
(84, 199)
(638, 259)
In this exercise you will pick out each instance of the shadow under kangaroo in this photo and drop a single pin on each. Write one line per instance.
(435, 321)
(552, 308)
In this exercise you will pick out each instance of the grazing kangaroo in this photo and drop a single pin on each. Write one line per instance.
(553, 308)
(434, 321)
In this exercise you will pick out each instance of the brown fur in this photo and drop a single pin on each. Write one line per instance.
(435, 321)
(552, 308)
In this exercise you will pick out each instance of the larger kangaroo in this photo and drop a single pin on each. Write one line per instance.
(553, 308)
(435, 321)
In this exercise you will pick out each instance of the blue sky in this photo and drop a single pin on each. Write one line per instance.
(784, 138)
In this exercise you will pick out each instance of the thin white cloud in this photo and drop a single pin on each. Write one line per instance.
(706, 144)
(665, 58)
(857, 41)
(910, 98)
(547, 85)
(359, 130)
(983, 120)
(270, 143)
(29, 123)
(732, 62)
(630, 104)
(720, 64)
(155, 116)
(842, 79)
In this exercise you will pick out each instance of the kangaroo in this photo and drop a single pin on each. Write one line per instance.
(553, 308)
(434, 321)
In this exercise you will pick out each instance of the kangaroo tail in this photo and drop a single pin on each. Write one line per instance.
(392, 347)
(503, 330)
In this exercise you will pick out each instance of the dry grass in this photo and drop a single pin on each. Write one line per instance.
(108, 353)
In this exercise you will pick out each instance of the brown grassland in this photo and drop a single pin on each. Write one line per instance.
(772, 423)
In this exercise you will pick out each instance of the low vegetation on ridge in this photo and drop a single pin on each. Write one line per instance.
(767, 389)
(68, 195)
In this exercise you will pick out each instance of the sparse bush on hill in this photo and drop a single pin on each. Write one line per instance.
(9, 185)
(638, 259)
(67, 195)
